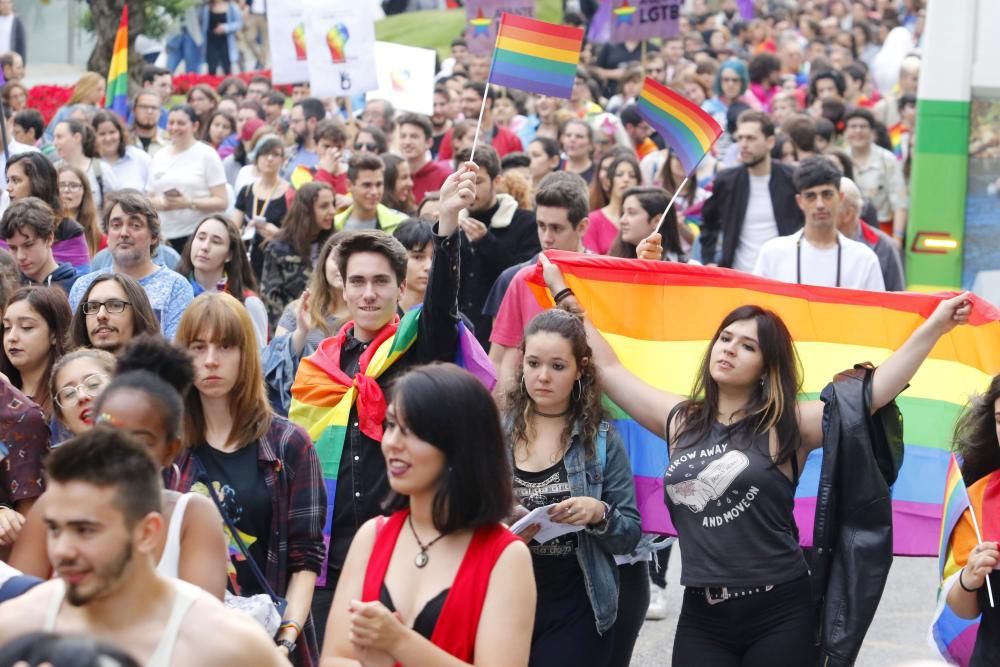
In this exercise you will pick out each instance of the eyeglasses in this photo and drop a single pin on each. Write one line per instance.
(111, 305)
(91, 386)
(371, 147)
(71, 187)
(731, 79)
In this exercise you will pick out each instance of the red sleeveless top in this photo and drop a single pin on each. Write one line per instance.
(456, 627)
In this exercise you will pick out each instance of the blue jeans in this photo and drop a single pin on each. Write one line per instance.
(181, 48)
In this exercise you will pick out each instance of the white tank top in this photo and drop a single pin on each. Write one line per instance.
(170, 561)
(186, 595)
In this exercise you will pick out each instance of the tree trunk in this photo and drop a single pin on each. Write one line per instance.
(107, 15)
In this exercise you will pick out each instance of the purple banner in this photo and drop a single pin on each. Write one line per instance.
(482, 17)
(635, 20)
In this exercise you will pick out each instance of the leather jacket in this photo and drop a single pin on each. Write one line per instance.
(852, 537)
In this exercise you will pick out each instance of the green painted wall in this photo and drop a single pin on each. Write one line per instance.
(938, 186)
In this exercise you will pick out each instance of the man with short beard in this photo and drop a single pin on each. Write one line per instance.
(145, 131)
(302, 121)
(133, 229)
(104, 521)
(751, 203)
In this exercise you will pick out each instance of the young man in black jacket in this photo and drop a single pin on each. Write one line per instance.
(752, 203)
(496, 234)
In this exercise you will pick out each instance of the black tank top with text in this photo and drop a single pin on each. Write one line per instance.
(732, 508)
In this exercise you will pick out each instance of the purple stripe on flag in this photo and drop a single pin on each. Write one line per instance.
(532, 86)
(600, 25)
(746, 9)
(649, 499)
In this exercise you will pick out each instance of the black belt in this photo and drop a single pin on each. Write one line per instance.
(717, 594)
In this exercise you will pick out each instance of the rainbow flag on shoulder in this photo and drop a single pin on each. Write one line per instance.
(685, 127)
(660, 316)
(955, 637)
(536, 56)
(116, 97)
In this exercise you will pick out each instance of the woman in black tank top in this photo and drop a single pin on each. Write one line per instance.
(735, 454)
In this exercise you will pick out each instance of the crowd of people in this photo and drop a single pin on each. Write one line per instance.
(248, 339)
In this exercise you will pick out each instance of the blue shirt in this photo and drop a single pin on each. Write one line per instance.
(169, 294)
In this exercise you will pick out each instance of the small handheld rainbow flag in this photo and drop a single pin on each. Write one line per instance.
(682, 124)
(117, 95)
(536, 56)
(956, 501)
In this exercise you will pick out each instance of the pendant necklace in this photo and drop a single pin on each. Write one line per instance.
(421, 558)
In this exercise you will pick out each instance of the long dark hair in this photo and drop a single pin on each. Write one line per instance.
(239, 275)
(391, 175)
(976, 435)
(654, 202)
(585, 408)
(475, 488)
(41, 174)
(52, 306)
(299, 228)
(773, 402)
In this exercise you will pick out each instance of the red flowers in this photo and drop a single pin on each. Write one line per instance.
(48, 99)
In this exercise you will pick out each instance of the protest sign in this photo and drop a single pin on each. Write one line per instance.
(340, 42)
(636, 20)
(405, 77)
(286, 33)
(482, 17)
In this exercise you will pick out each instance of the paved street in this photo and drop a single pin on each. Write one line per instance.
(897, 634)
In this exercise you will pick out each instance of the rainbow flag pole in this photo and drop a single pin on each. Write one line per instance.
(533, 56)
(689, 131)
(116, 98)
(956, 501)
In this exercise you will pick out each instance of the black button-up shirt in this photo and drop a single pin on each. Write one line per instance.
(362, 484)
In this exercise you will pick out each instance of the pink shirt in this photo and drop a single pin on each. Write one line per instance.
(601, 233)
(519, 305)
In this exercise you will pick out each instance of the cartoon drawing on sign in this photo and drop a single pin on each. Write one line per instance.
(336, 38)
(624, 13)
(480, 24)
(299, 40)
(710, 484)
(399, 77)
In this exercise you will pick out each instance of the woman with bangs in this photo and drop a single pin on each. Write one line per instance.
(263, 469)
(740, 441)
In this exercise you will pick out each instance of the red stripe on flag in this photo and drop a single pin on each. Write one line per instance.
(543, 29)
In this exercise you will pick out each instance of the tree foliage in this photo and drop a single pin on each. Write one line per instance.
(154, 18)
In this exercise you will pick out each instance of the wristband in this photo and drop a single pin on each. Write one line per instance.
(291, 624)
(562, 294)
(962, 583)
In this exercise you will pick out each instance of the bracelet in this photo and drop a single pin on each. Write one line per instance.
(962, 583)
(291, 624)
(562, 294)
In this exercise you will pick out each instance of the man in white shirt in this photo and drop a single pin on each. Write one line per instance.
(819, 254)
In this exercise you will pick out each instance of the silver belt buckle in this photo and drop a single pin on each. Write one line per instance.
(712, 600)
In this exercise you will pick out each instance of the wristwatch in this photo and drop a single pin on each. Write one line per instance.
(602, 525)
(287, 643)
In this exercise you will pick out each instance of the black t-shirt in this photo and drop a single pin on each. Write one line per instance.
(557, 570)
(732, 508)
(987, 648)
(274, 211)
(239, 483)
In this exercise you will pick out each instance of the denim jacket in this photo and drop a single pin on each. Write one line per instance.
(615, 486)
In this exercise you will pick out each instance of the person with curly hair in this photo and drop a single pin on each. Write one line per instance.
(568, 458)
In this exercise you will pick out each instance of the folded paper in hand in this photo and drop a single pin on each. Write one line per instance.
(548, 529)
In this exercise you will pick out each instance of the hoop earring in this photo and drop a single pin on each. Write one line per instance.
(176, 470)
(577, 390)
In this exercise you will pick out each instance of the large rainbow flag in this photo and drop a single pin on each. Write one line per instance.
(682, 123)
(116, 97)
(659, 317)
(536, 56)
